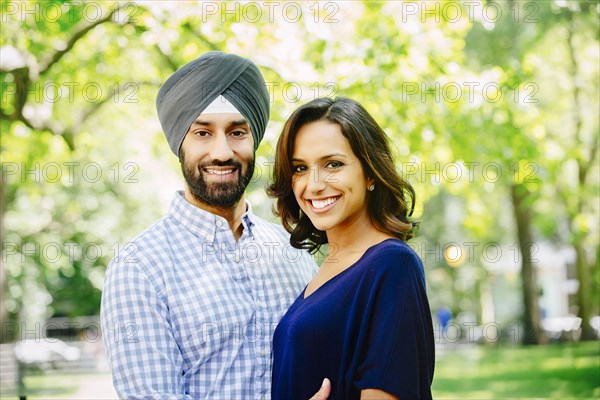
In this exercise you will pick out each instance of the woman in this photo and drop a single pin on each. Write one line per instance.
(364, 320)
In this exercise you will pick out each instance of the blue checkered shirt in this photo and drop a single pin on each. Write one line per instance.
(188, 312)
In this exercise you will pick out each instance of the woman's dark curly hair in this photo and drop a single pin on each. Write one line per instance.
(387, 205)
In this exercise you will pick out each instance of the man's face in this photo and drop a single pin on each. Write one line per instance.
(217, 159)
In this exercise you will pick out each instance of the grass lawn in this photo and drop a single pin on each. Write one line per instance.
(557, 371)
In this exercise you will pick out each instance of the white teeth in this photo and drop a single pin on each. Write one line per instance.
(219, 171)
(323, 203)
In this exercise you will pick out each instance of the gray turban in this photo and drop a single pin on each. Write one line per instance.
(195, 85)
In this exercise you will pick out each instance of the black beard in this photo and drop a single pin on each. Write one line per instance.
(221, 195)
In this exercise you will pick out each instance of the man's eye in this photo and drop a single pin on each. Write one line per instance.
(201, 133)
(238, 133)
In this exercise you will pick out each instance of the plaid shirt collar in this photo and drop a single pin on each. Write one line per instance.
(202, 223)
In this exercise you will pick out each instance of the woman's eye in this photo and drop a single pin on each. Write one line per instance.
(299, 168)
(334, 164)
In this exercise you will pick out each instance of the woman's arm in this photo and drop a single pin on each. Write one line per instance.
(376, 394)
(397, 354)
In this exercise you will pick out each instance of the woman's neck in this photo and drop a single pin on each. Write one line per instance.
(346, 242)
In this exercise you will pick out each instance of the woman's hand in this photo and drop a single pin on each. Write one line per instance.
(323, 393)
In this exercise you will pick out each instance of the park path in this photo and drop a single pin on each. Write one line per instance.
(95, 387)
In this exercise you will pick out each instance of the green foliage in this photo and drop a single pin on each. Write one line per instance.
(404, 68)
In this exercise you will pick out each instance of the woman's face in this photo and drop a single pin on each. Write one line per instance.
(328, 179)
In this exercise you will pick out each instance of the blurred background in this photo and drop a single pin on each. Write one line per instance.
(492, 107)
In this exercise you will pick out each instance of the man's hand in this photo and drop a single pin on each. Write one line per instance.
(323, 393)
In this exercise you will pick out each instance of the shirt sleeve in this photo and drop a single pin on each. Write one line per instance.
(398, 353)
(144, 356)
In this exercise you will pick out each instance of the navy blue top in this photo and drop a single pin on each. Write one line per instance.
(368, 327)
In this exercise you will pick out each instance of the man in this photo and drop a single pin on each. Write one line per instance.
(190, 312)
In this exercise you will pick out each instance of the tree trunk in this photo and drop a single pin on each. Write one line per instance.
(532, 333)
(581, 263)
(3, 283)
(583, 294)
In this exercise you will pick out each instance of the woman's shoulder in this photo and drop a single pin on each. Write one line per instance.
(394, 256)
(393, 248)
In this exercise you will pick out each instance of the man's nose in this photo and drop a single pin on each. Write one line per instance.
(220, 149)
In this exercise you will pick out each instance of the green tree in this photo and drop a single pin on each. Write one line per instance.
(57, 189)
(502, 92)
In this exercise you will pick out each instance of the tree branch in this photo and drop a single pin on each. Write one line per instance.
(170, 62)
(23, 82)
(201, 36)
(76, 37)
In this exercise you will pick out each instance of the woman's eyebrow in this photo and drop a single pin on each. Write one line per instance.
(332, 155)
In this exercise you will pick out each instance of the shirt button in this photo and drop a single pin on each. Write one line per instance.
(262, 352)
(219, 223)
(236, 258)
